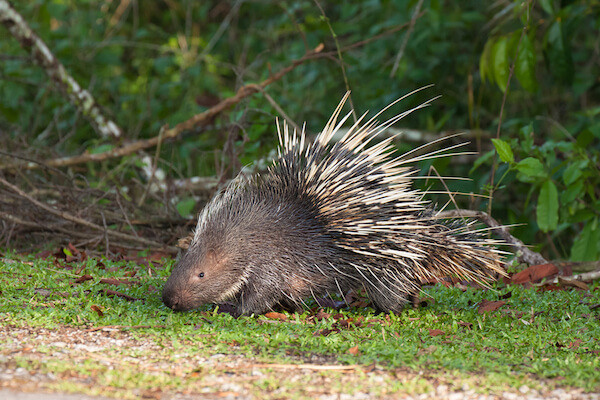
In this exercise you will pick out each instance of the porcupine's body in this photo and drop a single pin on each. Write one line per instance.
(325, 218)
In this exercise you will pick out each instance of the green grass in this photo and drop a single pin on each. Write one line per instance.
(551, 336)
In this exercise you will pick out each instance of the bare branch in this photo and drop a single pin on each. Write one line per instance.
(83, 222)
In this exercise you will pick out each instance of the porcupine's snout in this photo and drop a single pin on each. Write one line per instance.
(178, 293)
(173, 298)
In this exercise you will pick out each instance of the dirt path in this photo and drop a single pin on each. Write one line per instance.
(113, 363)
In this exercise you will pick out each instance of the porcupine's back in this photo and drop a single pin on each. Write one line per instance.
(327, 218)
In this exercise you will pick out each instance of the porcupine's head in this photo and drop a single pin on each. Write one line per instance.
(215, 265)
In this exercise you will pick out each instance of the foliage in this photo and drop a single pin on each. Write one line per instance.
(163, 62)
(561, 164)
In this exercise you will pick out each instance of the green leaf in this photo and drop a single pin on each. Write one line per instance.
(504, 150)
(525, 65)
(11, 114)
(547, 6)
(572, 193)
(585, 247)
(547, 207)
(572, 173)
(185, 206)
(585, 137)
(101, 149)
(558, 54)
(500, 62)
(531, 167)
(526, 132)
(581, 215)
(485, 61)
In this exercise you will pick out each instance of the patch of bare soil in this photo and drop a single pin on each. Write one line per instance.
(114, 363)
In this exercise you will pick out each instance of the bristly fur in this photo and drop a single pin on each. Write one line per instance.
(326, 217)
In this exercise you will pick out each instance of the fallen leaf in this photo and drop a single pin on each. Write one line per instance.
(506, 295)
(353, 350)
(321, 315)
(573, 283)
(534, 273)
(489, 306)
(344, 323)
(467, 325)
(575, 344)
(83, 278)
(45, 254)
(551, 287)
(325, 332)
(97, 309)
(276, 315)
(436, 332)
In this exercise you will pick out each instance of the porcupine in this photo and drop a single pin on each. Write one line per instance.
(326, 217)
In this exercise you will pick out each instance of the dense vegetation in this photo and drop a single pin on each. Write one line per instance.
(520, 72)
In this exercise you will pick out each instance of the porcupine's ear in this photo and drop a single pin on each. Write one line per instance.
(184, 242)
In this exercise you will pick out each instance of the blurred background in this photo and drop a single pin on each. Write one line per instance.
(519, 78)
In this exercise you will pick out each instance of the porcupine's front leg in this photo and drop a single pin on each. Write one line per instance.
(391, 291)
(384, 300)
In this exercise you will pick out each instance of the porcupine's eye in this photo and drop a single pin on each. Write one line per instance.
(201, 275)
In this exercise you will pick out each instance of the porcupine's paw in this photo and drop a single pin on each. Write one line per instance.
(385, 304)
(257, 303)
(388, 298)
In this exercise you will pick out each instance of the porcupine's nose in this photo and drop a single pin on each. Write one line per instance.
(171, 299)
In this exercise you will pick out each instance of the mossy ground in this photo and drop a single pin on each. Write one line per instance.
(100, 342)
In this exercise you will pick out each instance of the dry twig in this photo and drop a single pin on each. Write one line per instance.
(416, 15)
(83, 222)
